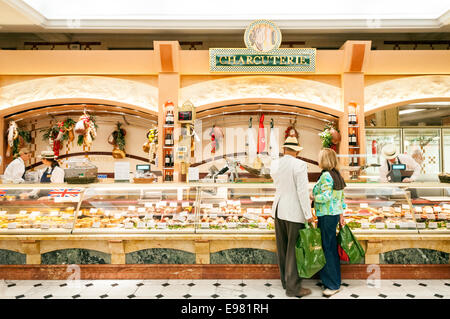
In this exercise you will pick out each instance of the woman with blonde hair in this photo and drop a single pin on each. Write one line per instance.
(328, 196)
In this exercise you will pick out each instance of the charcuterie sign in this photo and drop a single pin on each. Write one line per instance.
(263, 53)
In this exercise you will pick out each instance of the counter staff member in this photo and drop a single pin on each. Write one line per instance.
(52, 173)
(16, 169)
(392, 156)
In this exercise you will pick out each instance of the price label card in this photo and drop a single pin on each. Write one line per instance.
(184, 214)
(397, 209)
(148, 204)
(442, 216)
(222, 204)
(448, 225)
(418, 216)
(391, 225)
(405, 206)
(149, 215)
(191, 217)
(411, 225)
(45, 226)
(230, 202)
(420, 225)
(96, 225)
(185, 204)
(258, 211)
(408, 216)
(231, 225)
(237, 203)
(428, 210)
(163, 203)
(364, 205)
(404, 225)
(431, 216)
(206, 205)
(3, 213)
(213, 216)
(141, 210)
(12, 225)
(54, 213)
(418, 209)
(129, 225)
(93, 210)
(151, 224)
(67, 225)
(446, 206)
(140, 225)
(23, 212)
(132, 208)
(161, 226)
(386, 209)
(173, 204)
(432, 225)
(250, 210)
(379, 225)
(267, 211)
(204, 225)
(262, 225)
(66, 216)
(34, 214)
(437, 209)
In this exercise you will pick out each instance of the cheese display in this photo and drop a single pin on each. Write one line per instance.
(144, 215)
(231, 215)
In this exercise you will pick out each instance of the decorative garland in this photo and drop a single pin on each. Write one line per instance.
(117, 138)
(330, 136)
(86, 127)
(150, 146)
(23, 136)
(62, 131)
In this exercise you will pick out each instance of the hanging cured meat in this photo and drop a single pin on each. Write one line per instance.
(261, 136)
(251, 142)
(12, 133)
(274, 147)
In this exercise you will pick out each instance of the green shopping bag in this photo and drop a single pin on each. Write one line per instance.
(350, 245)
(309, 252)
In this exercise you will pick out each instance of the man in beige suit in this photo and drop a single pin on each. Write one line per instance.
(291, 209)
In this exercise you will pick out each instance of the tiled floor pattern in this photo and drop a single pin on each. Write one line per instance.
(216, 289)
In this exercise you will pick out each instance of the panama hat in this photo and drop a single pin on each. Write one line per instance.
(389, 151)
(47, 155)
(292, 143)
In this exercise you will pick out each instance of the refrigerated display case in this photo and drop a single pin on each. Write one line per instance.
(208, 208)
(33, 209)
(136, 209)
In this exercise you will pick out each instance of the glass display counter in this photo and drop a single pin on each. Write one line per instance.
(208, 208)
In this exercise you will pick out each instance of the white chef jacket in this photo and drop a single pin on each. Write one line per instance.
(15, 170)
(290, 178)
(57, 175)
(406, 159)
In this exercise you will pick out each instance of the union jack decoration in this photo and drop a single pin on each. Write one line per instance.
(65, 192)
(2, 192)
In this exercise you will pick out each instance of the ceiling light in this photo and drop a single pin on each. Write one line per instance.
(403, 112)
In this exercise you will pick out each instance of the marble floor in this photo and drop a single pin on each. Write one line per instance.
(216, 289)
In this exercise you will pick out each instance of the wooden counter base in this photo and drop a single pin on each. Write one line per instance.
(65, 272)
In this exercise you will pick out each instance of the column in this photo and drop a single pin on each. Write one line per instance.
(202, 255)
(352, 82)
(167, 53)
(117, 251)
(32, 249)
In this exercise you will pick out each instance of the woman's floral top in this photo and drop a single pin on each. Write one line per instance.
(327, 201)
